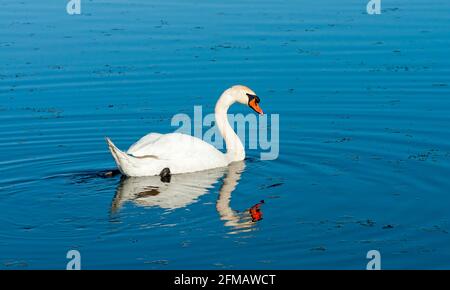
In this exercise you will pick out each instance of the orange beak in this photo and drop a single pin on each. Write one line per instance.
(255, 106)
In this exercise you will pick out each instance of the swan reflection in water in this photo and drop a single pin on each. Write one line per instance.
(185, 189)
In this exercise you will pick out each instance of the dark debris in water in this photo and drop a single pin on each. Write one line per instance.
(435, 229)
(228, 46)
(274, 185)
(88, 176)
(339, 140)
(366, 223)
(157, 262)
(28, 228)
(270, 186)
(108, 173)
(348, 220)
(431, 154)
(11, 264)
(308, 52)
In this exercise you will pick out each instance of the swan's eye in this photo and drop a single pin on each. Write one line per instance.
(251, 97)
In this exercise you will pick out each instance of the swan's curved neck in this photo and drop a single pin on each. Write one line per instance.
(235, 149)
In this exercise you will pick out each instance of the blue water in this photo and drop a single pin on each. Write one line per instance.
(364, 159)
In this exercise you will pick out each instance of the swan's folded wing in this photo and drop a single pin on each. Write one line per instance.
(180, 152)
(139, 148)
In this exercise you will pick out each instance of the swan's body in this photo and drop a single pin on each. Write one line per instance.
(180, 153)
(183, 153)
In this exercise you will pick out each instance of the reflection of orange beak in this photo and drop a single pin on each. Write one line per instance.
(255, 106)
(255, 212)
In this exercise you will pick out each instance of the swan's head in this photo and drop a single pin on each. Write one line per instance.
(246, 96)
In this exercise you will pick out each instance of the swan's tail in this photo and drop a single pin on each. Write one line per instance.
(121, 158)
(130, 165)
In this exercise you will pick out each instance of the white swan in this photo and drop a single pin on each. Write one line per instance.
(182, 153)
